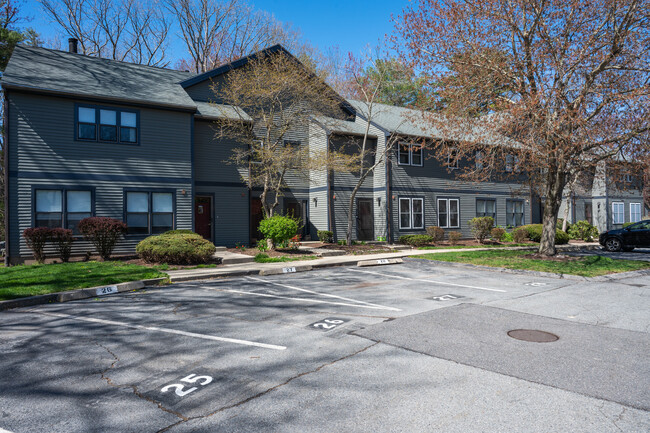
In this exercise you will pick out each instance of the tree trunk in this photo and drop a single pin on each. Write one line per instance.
(348, 232)
(554, 188)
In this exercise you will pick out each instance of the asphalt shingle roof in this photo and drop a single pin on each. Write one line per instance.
(75, 74)
(209, 110)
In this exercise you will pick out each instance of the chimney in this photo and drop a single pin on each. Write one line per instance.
(72, 45)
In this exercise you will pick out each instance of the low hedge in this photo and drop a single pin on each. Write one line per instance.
(326, 236)
(535, 234)
(415, 240)
(176, 248)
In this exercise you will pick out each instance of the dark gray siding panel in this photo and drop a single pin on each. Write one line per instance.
(45, 153)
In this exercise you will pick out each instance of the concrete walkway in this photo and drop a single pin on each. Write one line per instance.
(254, 268)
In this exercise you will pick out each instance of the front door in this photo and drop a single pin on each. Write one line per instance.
(365, 221)
(256, 217)
(203, 216)
(297, 209)
(588, 213)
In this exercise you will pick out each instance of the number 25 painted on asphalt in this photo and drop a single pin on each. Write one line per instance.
(192, 378)
(325, 325)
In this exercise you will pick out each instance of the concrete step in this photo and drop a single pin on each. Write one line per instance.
(219, 249)
(228, 258)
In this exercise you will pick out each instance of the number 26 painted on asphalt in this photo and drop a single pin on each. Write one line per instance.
(329, 323)
(192, 378)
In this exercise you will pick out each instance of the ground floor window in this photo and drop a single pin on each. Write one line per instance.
(149, 212)
(61, 207)
(411, 213)
(635, 212)
(618, 213)
(448, 214)
(514, 213)
(486, 207)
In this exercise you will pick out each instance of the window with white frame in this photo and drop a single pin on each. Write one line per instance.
(479, 160)
(514, 213)
(511, 163)
(635, 212)
(149, 212)
(411, 213)
(486, 207)
(107, 124)
(61, 207)
(448, 213)
(409, 154)
(618, 213)
(452, 158)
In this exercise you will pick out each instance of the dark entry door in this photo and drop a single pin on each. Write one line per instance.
(589, 213)
(203, 216)
(257, 215)
(297, 209)
(365, 221)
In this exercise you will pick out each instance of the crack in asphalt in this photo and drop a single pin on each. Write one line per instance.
(266, 391)
(134, 388)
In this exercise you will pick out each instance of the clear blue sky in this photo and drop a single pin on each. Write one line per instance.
(351, 25)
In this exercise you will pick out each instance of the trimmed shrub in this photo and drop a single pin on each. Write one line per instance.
(507, 237)
(63, 239)
(176, 249)
(535, 234)
(326, 236)
(179, 232)
(454, 237)
(559, 223)
(415, 240)
(627, 224)
(103, 233)
(498, 233)
(279, 229)
(437, 233)
(35, 238)
(583, 230)
(520, 235)
(481, 227)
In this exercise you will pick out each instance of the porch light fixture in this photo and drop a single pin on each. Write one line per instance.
(378, 201)
(315, 200)
(183, 192)
(334, 196)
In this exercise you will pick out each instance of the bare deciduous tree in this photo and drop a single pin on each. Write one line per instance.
(126, 30)
(567, 81)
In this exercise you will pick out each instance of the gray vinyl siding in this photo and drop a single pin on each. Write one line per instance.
(318, 197)
(203, 91)
(44, 153)
(216, 176)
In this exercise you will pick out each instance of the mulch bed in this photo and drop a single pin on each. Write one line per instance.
(271, 253)
(555, 258)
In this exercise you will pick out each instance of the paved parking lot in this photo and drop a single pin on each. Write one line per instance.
(410, 347)
(635, 254)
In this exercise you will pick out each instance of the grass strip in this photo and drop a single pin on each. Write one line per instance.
(264, 258)
(590, 266)
(29, 280)
(461, 247)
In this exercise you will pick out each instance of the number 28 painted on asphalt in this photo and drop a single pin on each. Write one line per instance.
(192, 379)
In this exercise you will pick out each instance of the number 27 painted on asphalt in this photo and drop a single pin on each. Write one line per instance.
(191, 379)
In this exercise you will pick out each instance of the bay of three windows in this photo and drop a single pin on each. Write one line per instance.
(107, 124)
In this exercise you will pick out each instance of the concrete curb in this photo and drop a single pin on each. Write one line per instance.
(285, 270)
(73, 295)
(379, 262)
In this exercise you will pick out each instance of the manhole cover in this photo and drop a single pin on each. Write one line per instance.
(533, 335)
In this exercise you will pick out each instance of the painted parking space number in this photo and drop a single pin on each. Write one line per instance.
(106, 290)
(383, 261)
(328, 324)
(537, 284)
(446, 297)
(192, 379)
(288, 270)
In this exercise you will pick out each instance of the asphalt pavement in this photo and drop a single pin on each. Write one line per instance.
(408, 347)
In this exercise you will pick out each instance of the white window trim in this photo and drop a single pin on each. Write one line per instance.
(614, 205)
(411, 146)
(633, 213)
(400, 152)
(410, 209)
(448, 200)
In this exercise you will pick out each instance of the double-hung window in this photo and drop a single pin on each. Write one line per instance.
(61, 207)
(448, 213)
(452, 158)
(149, 212)
(512, 163)
(618, 213)
(514, 213)
(479, 160)
(486, 207)
(111, 125)
(635, 212)
(411, 213)
(409, 154)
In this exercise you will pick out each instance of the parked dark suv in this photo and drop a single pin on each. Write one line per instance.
(633, 236)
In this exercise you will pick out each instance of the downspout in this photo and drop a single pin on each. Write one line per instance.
(192, 191)
(6, 174)
(389, 213)
(330, 200)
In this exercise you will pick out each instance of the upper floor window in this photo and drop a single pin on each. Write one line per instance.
(618, 213)
(61, 207)
(514, 213)
(452, 158)
(409, 154)
(486, 207)
(511, 163)
(479, 160)
(149, 212)
(107, 124)
(448, 213)
(635, 212)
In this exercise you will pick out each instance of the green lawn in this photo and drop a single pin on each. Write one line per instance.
(264, 258)
(29, 280)
(461, 247)
(590, 266)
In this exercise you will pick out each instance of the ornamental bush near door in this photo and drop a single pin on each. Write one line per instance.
(535, 234)
(415, 240)
(481, 227)
(279, 229)
(63, 239)
(36, 238)
(177, 248)
(437, 233)
(103, 233)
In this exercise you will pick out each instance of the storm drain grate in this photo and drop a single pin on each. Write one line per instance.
(533, 335)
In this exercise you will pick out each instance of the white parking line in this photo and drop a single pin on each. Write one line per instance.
(324, 294)
(157, 329)
(317, 301)
(4, 431)
(429, 281)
